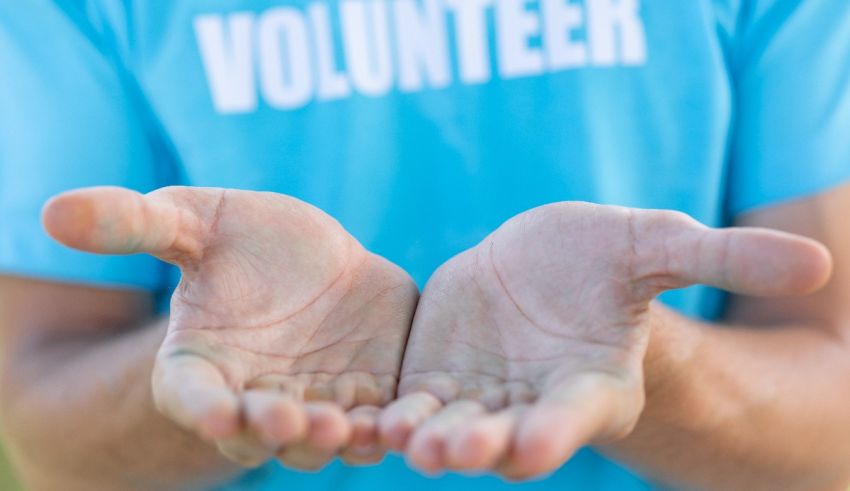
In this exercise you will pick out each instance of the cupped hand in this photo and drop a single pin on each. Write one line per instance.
(282, 322)
(531, 344)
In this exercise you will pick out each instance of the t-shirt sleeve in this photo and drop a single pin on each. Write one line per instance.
(67, 119)
(791, 74)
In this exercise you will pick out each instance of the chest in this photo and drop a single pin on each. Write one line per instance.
(276, 58)
(509, 103)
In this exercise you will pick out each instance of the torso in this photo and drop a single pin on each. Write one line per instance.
(428, 125)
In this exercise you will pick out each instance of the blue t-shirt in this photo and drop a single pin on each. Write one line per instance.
(421, 125)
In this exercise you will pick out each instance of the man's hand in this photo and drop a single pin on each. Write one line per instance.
(532, 344)
(281, 322)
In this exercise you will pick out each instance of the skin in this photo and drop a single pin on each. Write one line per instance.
(750, 403)
(532, 344)
(281, 324)
(637, 380)
(760, 399)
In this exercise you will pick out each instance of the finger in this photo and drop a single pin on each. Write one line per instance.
(426, 449)
(357, 389)
(329, 428)
(401, 417)
(482, 443)
(749, 261)
(113, 220)
(565, 419)
(286, 385)
(193, 393)
(246, 449)
(275, 418)
(318, 387)
(492, 397)
(364, 447)
(304, 457)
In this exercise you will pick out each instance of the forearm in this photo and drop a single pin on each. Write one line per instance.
(743, 408)
(71, 407)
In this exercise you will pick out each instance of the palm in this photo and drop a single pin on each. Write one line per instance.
(277, 305)
(283, 291)
(531, 344)
(522, 338)
(492, 327)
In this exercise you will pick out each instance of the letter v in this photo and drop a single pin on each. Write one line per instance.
(228, 60)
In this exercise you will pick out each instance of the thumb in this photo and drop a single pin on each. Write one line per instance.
(114, 220)
(749, 261)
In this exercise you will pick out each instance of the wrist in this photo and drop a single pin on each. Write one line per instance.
(671, 397)
(673, 346)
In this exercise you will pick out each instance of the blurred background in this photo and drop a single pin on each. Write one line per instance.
(7, 475)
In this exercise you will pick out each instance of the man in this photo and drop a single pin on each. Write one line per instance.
(428, 129)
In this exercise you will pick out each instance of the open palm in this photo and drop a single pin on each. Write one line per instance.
(281, 321)
(531, 344)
